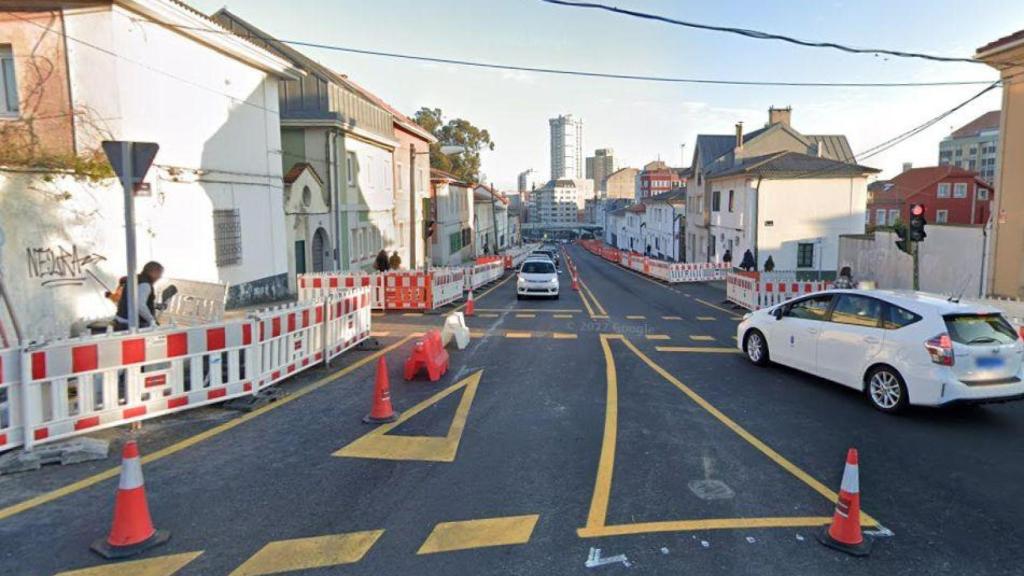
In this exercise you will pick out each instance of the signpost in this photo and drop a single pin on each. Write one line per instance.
(130, 161)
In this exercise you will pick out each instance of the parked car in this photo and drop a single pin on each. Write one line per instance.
(899, 348)
(537, 277)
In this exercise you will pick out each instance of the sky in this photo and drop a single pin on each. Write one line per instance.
(644, 121)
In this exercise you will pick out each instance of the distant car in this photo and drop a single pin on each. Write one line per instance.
(551, 253)
(899, 348)
(537, 277)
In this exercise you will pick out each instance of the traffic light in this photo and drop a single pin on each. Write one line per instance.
(917, 222)
(902, 243)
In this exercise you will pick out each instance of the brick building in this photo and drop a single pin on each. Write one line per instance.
(950, 195)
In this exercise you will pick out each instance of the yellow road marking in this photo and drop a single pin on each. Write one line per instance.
(596, 302)
(487, 315)
(697, 349)
(538, 310)
(658, 337)
(705, 318)
(159, 566)
(740, 431)
(526, 315)
(485, 292)
(586, 304)
(378, 444)
(731, 313)
(308, 553)
(412, 314)
(449, 536)
(518, 335)
(380, 334)
(598, 514)
(564, 336)
(636, 317)
(708, 524)
(475, 334)
(701, 338)
(671, 318)
(562, 316)
(193, 440)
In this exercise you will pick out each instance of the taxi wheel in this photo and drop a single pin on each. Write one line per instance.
(886, 390)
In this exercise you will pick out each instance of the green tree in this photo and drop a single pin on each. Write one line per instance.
(457, 132)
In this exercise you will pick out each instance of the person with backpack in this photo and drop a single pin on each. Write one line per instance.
(145, 299)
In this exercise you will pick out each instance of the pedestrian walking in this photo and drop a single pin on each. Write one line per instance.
(727, 257)
(395, 261)
(381, 263)
(769, 264)
(748, 262)
(145, 300)
(845, 279)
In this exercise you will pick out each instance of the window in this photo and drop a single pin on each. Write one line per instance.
(8, 84)
(716, 201)
(350, 167)
(805, 255)
(960, 190)
(971, 164)
(981, 329)
(941, 216)
(943, 191)
(880, 217)
(894, 217)
(982, 193)
(454, 242)
(857, 311)
(227, 237)
(813, 308)
(731, 193)
(972, 151)
(897, 318)
(959, 151)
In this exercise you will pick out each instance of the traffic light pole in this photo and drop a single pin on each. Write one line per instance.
(917, 269)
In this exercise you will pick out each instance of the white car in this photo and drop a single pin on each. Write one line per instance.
(899, 348)
(537, 277)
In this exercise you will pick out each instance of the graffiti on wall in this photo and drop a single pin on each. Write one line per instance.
(60, 266)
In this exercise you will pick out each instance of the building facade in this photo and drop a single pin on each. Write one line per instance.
(622, 184)
(974, 146)
(599, 167)
(950, 195)
(452, 206)
(1006, 271)
(658, 178)
(566, 147)
(560, 202)
(664, 217)
(215, 209)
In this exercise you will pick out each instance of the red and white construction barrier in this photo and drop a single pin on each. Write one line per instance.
(320, 285)
(480, 274)
(407, 290)
(446, 285)
(10, 398)
(348, 321)
(754, 290)
(671, 272)
(290, 339)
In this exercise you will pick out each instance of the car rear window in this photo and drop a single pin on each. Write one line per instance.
(979, 329)
(538, 268)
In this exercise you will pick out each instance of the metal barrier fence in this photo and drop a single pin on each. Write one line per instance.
(446, 285)
(58, 389)
(754, 290)
(671, 272)
(480, 274)
(320, 285)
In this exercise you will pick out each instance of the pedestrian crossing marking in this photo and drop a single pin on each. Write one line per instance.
(159, 566)
(635, 317)
(381, 445)
(697, 349)
(562, 316)
(483, 533)
(518, 335)
(705, 318)
(309, 553)
(658, 337)
(526, 315)
(701, 338)
(564, 336)
(671, 318)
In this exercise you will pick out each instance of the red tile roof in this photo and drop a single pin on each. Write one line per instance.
(916, 179)
(297, 170)
(1018, 35)
(987, 121)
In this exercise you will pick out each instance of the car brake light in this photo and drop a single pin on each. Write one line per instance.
(1020, 330)
(940, 348)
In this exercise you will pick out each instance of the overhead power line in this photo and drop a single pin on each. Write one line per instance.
(759, 35)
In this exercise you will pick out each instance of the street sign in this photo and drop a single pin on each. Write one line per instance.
(131, 161)
(141, 155)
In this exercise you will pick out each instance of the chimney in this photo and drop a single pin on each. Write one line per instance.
(780, 115)
(907, 166)
(739, 135)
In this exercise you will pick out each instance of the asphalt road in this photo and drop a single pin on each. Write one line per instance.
(616, 418)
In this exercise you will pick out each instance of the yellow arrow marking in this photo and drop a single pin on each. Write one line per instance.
(378, 444)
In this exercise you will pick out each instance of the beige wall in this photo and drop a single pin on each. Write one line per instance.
(622, 184)
(1007, 272)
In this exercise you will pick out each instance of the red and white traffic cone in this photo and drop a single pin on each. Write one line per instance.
(470, 304)
(381, 411)
(132, 531)
(845, 534)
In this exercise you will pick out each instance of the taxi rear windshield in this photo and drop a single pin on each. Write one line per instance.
(979, 329)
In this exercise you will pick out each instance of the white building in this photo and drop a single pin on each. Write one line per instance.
(560, 202)
(143, 70)
(453, 206)
(566, 147)
(665, 223)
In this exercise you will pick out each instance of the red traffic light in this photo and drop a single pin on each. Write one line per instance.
(917, 210)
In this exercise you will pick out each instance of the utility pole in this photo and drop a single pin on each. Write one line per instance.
(412, 206)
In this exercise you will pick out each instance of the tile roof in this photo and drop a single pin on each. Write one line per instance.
(795, 165)
(916, 179)
(1018, 35)
(672, 196)
(985, 122)
(297, 170)
(712, 147)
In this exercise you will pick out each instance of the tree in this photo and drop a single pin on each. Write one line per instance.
(457, 132)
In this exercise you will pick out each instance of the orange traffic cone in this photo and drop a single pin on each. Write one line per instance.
(132, 531)
(845, 534)
(575, 283)
(470, 304)
(381, 411)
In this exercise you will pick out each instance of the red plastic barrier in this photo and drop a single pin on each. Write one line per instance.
(429, 354)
